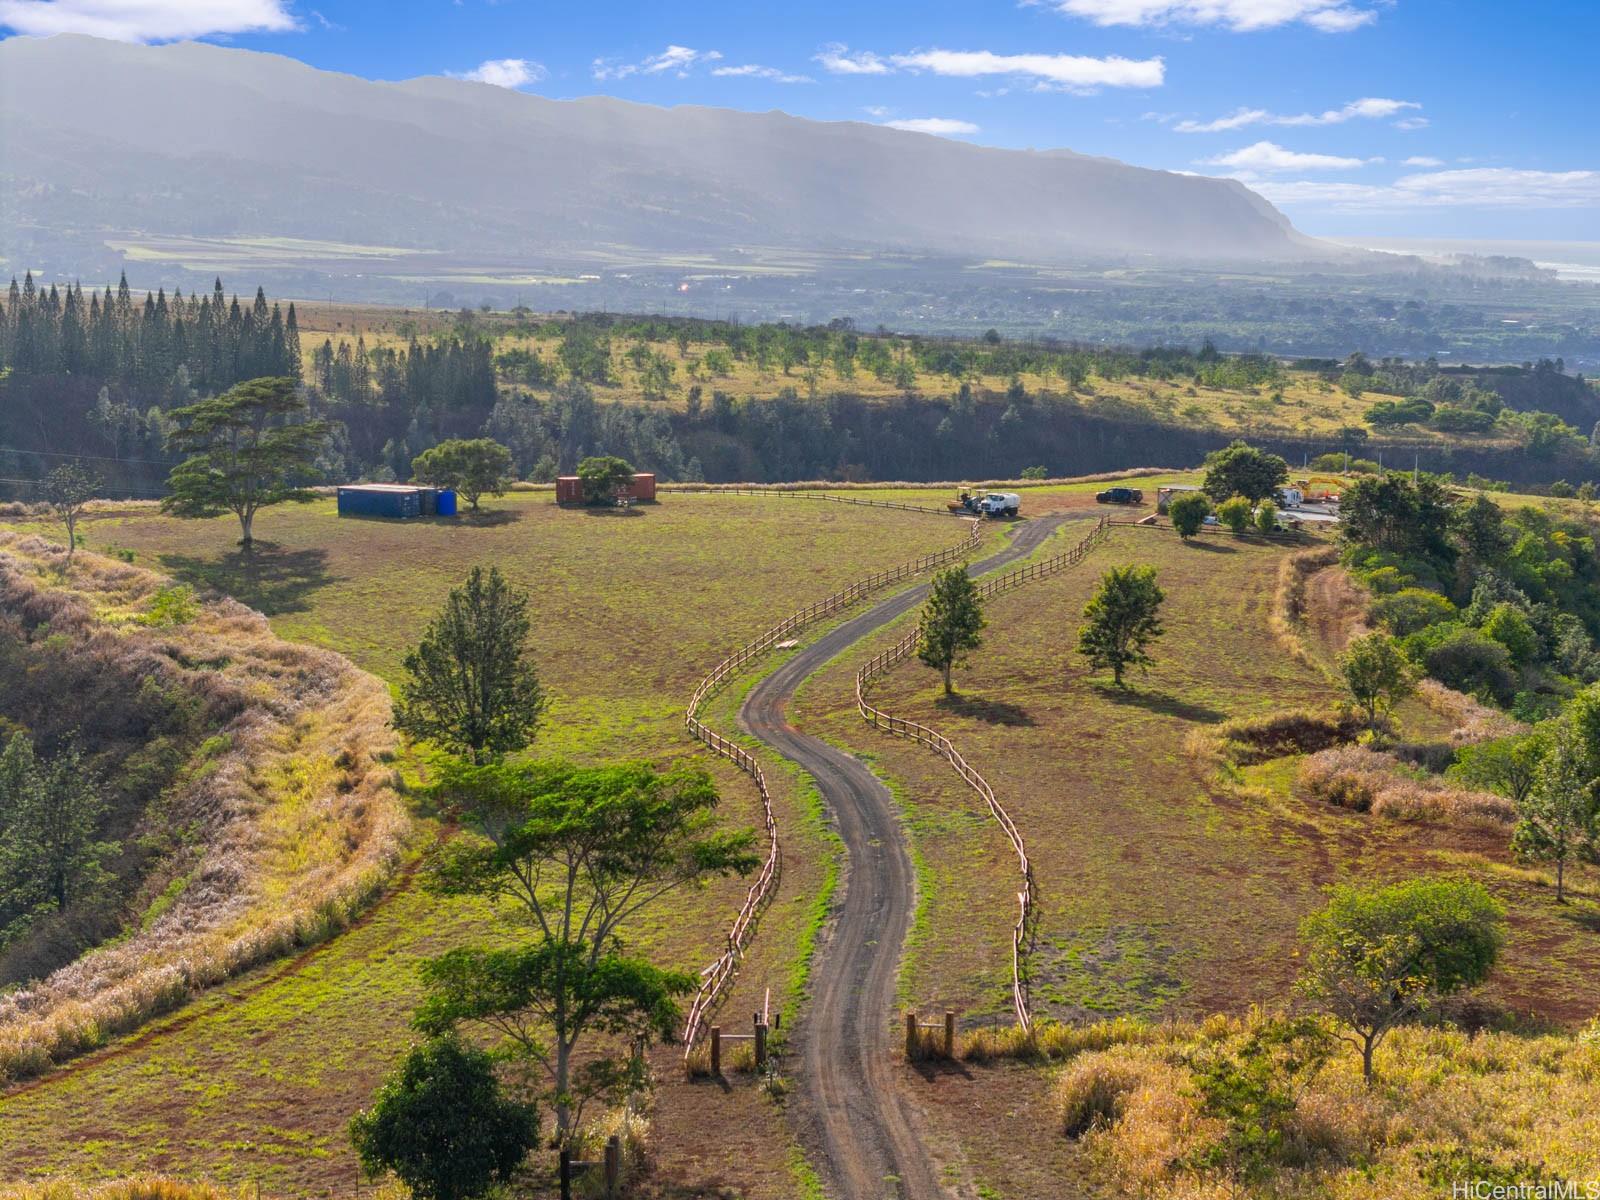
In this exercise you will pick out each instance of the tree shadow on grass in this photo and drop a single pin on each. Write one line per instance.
(484, 518)
(993, 712)
(267, 577)
(1159, 702)
(1200, 543)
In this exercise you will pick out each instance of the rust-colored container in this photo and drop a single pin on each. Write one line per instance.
(642, 488)
(569, 489)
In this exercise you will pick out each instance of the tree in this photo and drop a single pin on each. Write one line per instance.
(1267, 517)
(471, 686)
(248, 448)
(1378, 956)
(1188, 512)
(1376, 674)
(1391, 513)
(440, 1123)
(475, 467)
(951, 622)
(1239, 469)
(50, 810)
(581, 851)
(603, 478)
(1121, 620)
(1236, 513)
(1506, 765)
(67, 489)
(1556, 817)
(1509, 625)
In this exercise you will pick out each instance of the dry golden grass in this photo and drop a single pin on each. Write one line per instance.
(1471, 720)
(1448, 1106)
(297, 821)
(154, 1187)
(1289, 600)
(1371, 781)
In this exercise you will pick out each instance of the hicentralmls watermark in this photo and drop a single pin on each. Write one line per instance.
(1544, 1189)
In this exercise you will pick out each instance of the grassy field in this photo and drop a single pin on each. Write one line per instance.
(1305, 404)
(1136, 858)
(255, 1082)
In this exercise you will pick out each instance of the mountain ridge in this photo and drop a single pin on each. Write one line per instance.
(103, 136)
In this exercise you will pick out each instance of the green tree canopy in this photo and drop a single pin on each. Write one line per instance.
(471, 686)
(1378, 956)
(1376, 674)
(579, 851)
(248, 448)
(1239, 469)
(441, 1124)
(1556, 816)
(1236, 513)
(951, 623)
(50, 812)
(1389, 512)
(473, 467)
(1121, 620)
(66, 490)
(1188, 512)
(603, 477)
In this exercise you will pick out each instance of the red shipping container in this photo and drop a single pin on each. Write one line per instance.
(569, 489)
(642, 488)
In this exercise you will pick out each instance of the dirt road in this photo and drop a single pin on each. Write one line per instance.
(858, 1122)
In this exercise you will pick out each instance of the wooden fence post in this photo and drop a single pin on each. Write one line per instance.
(911, 1036)
(613, 1164)
(566, 1173)
(716, 1051)
(949, 1034)
(761, 1044)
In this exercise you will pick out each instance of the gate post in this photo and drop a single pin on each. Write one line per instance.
(716, 1051)
(949, 1034)
(613, 1164)
(761, 1044)
(566, 1173)
(911, 1035)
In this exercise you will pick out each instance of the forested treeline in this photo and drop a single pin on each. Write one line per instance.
(94, 375)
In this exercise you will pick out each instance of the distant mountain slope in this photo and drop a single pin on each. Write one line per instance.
(196, 139)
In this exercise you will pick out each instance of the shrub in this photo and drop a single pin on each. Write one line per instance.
(1364, 780)
(1465, 660)
(1411, 609)
(1235, 513)
(1188, 511)
(1091, 1092)
(1510, 626)
(1266, 516)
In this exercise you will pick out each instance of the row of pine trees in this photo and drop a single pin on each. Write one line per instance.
(111, 337)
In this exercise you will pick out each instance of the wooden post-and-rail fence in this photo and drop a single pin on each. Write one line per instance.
(715, 979)
(611, 1165)
(879, 664)
(917, 1041)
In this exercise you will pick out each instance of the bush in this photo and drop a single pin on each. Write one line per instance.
(1510, 626)
(1463, 659)
(1266, 516)
(1187, 512)
(1235, 513)
(1412, 609)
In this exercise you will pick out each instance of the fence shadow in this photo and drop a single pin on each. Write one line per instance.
(1164, 703)
(991, 712)
(267, 577)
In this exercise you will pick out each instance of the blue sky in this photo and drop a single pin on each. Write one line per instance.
(1417, 118)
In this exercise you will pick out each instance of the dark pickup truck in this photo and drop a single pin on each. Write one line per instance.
(1120, 495)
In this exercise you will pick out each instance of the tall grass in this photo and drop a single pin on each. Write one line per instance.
(157, 1187)
(1371, 781)
(1287, 617)
(1448, 1106)
(297, 823)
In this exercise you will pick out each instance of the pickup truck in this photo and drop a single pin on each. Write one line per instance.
(1119, 495)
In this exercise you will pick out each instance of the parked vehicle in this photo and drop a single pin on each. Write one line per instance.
(1290, 497)
(1119, 495)
(993, 504)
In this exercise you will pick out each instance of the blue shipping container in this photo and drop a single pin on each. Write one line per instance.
(447, 502)
(379, 500)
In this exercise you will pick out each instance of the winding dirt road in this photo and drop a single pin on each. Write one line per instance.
(857, 1118)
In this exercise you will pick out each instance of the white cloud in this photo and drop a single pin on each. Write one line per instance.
(1269, 156)
(680, 60)
(503, 72)
(838, 58)
(1477, 187)
(944, 126)
(1412, 123)
(1368, 107)
(146, 20)
(753, 71)
(1422, 160)
(1329, 16)
(1070, 71)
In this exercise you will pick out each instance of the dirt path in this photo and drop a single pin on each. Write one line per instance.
(856, 1118)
